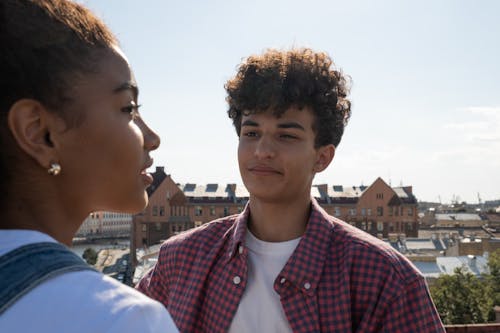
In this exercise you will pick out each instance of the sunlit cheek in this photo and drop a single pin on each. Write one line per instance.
(137, 132)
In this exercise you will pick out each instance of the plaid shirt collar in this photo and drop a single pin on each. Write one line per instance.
(311, 252)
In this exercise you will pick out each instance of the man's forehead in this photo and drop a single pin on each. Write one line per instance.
(280, 121)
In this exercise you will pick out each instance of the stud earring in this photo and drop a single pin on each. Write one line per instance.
(55, 169)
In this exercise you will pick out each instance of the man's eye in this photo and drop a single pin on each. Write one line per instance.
(250, 134)
(288, 136)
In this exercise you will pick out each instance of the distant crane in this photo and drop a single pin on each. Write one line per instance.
(479, 199)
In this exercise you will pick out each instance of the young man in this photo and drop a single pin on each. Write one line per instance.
(284, 264)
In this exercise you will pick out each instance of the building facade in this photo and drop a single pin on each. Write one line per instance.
(378, 209)
(108, 224)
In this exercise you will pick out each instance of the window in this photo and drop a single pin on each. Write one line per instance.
(401, 211)
(212, 210)
(380, 211)
(380, 195)
(144, 227)
(391, 209)
(363, 225)
(380, 226)
(337, 211)
(363, 211)
(410, 211)
(226, 211)
(352, 211)
(240, 209)
(198, 211)
(155, 210)
(162, 211)
(158, 226)
(369, 211)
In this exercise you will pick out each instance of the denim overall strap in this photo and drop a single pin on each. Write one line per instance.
(26, 267)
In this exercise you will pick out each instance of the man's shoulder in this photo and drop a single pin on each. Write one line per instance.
(362, 248)
(206, 234)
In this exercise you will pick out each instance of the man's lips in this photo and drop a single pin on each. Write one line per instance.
(264, 170)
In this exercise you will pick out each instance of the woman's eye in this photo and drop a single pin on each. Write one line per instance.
(133, 109)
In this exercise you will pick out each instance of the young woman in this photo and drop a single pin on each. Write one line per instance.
(72, 142)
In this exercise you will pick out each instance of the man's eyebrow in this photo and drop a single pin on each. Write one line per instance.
(249, 123)
(127, 86)
(291, 125)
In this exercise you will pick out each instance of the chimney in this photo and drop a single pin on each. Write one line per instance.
(471, 260)
(323, 190)
(408, 189)
(160, 169)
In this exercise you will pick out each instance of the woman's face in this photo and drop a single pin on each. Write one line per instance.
(104, 158)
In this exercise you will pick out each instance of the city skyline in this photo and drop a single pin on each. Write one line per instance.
(426, 108)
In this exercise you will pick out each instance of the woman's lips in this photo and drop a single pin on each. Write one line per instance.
(147, 178)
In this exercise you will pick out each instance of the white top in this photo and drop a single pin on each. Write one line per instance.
(84, 301)
(260, 307)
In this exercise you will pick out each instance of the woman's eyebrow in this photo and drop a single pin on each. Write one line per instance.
(127, 86)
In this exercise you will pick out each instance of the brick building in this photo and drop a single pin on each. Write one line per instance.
(379, 209)
(110, 224)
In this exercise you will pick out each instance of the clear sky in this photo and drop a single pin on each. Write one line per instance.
(425, 93)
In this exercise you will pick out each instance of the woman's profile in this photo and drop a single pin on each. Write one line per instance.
(72, 142)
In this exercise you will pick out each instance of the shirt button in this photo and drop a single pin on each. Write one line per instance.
(240, 249)
(236, 280)
(283, 280)
(307, 286)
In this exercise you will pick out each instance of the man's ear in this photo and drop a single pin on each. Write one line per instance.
(324, 157)
(29, 123)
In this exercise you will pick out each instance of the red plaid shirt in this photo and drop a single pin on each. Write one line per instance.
(339, 279)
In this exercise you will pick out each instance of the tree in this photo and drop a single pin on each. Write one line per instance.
(90, 256)
(494, 276)
(462, 298)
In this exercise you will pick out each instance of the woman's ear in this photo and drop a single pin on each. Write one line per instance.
(324, 157)
(29, 123)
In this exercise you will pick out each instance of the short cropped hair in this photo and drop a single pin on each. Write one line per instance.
(46, 45)
(278, 80)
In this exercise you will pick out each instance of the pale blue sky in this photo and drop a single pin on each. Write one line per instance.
(425, 94)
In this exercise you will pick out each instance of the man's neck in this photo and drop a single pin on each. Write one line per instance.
(278, 221)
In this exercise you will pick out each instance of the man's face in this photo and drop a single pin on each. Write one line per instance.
(276, 156)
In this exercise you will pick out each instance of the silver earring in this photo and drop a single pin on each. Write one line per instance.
(55, 169)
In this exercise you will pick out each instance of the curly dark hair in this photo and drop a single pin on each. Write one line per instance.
(278, 80)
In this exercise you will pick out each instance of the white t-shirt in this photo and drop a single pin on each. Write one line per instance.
(260, 308)
(83, 301)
